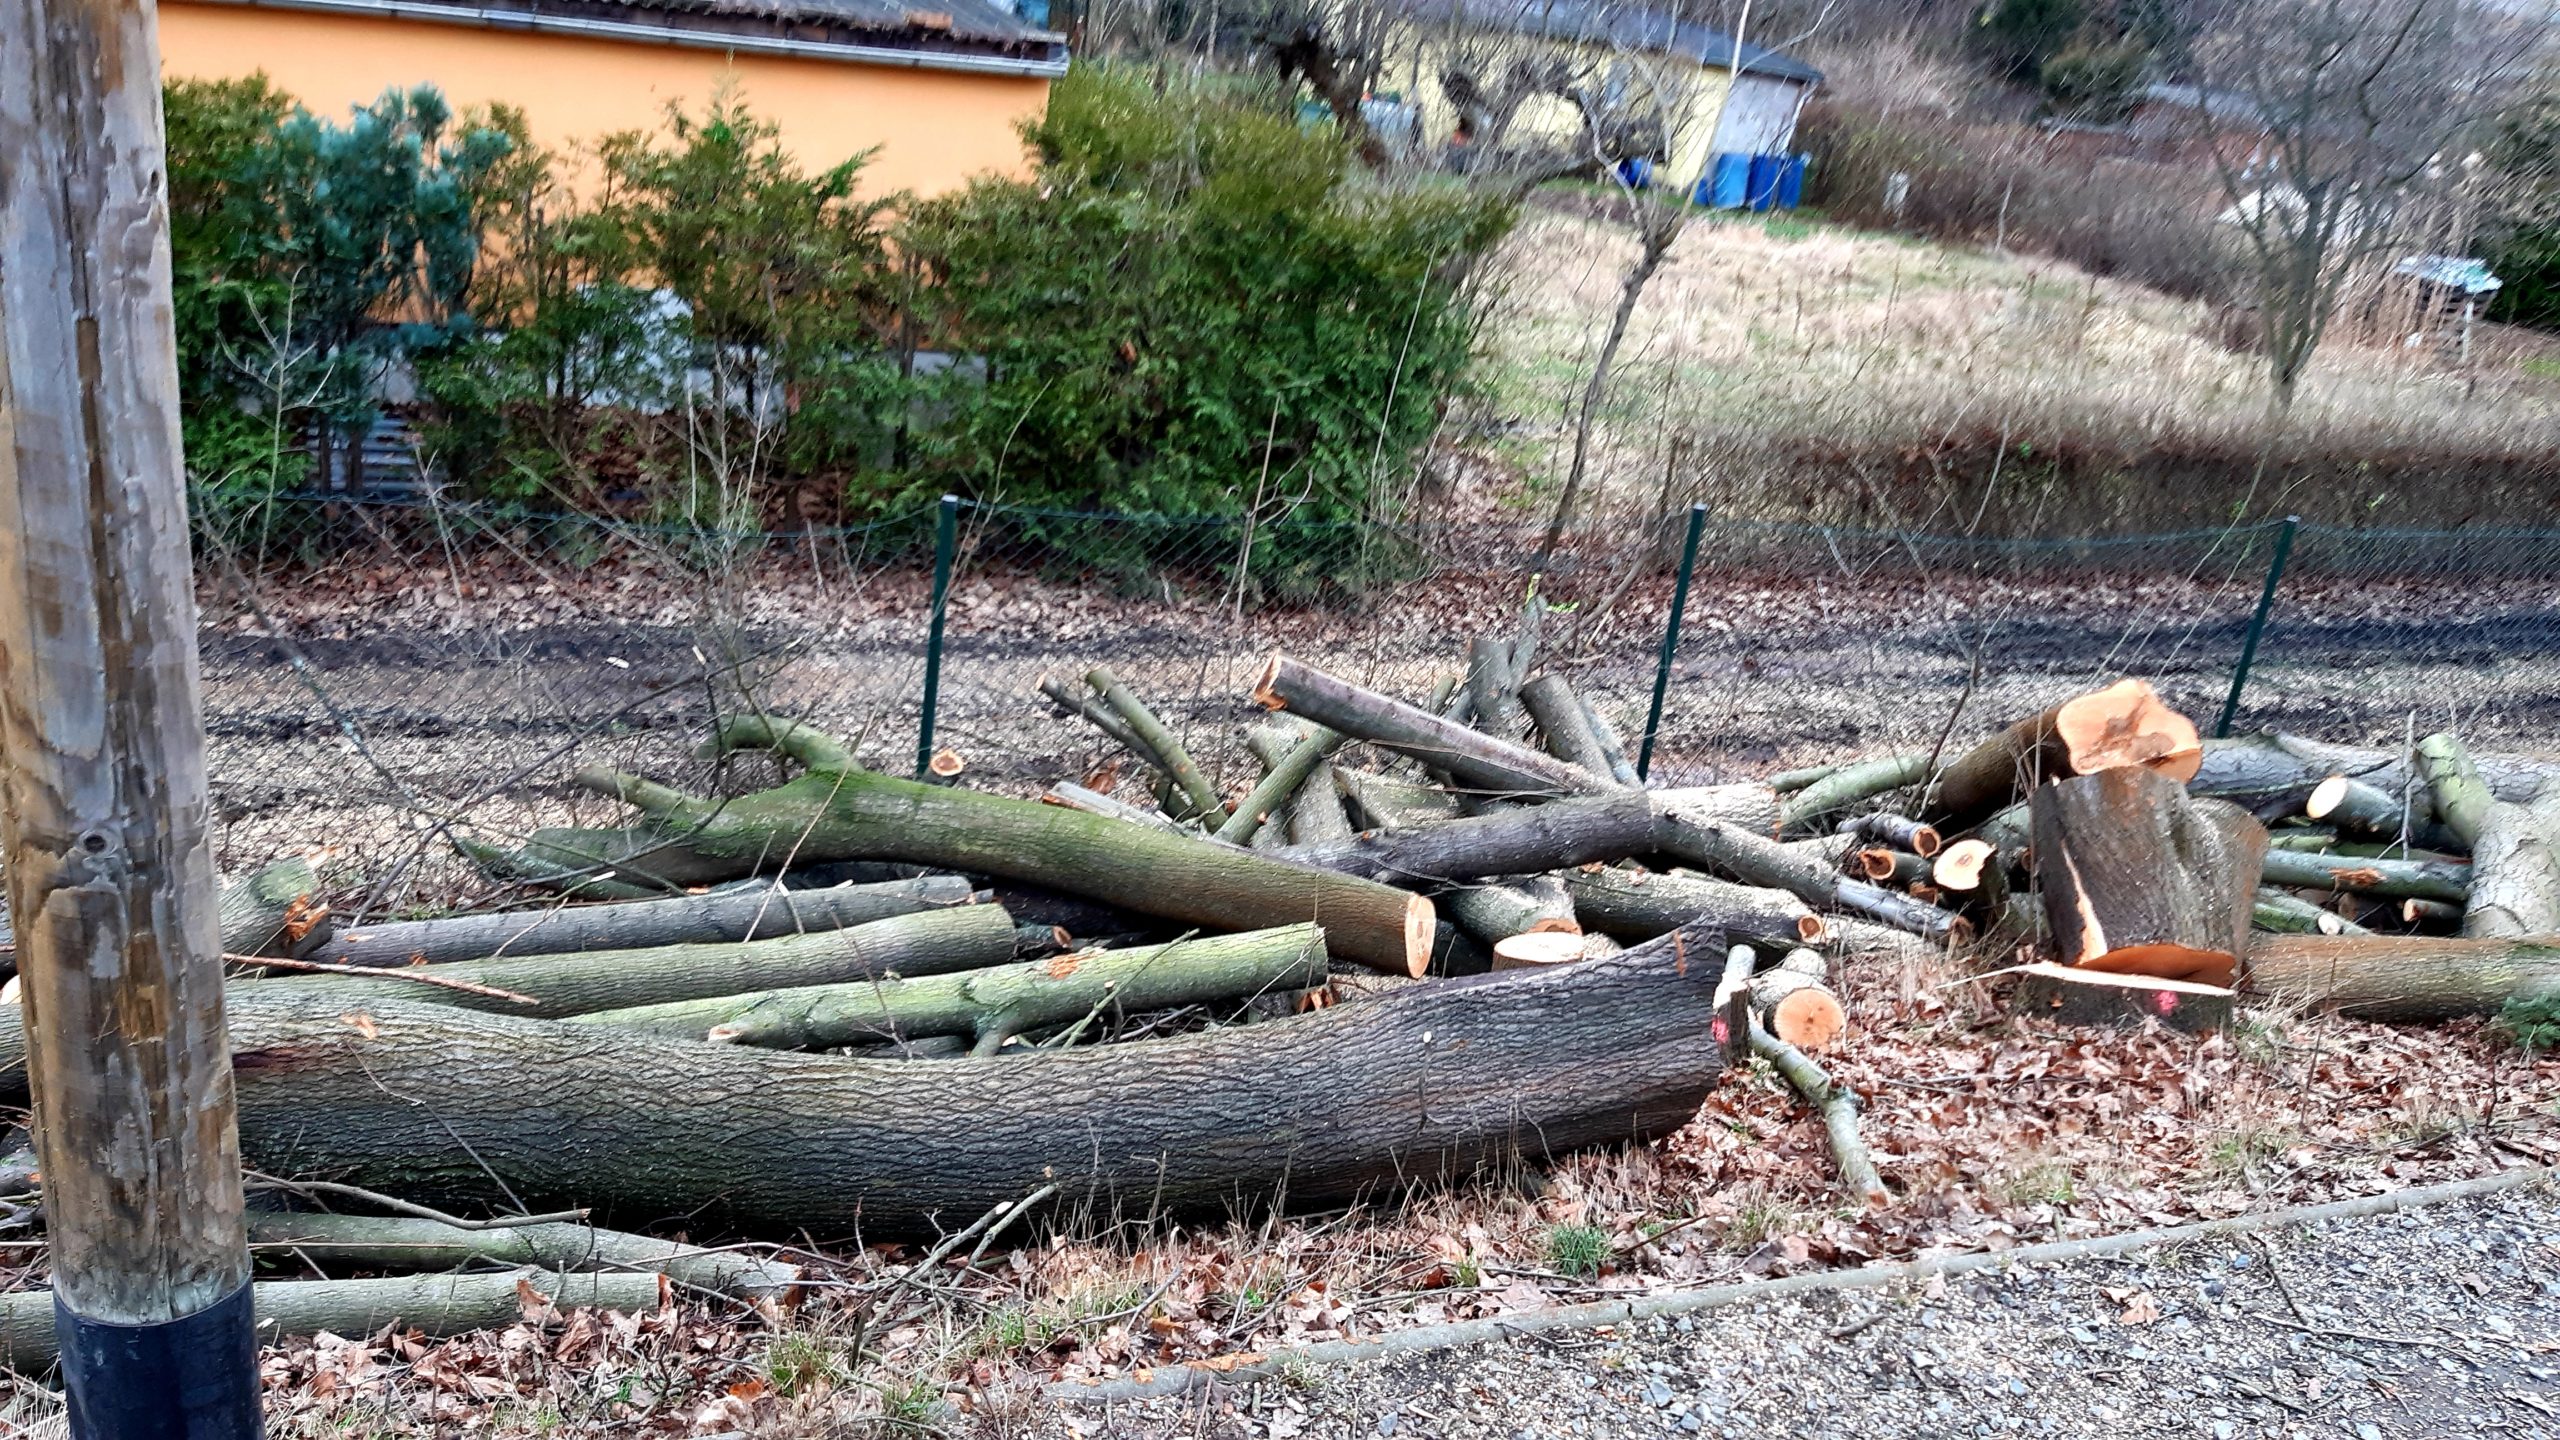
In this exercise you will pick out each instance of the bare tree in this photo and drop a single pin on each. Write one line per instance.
(2329, 124)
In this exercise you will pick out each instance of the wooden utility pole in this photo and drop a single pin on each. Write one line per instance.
(102, 774)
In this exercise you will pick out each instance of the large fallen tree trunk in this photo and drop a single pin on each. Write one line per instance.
(1490, 764)
(935, 942)
(759, 914)
(2515, 874)
(993, 1005)
(455, 1106)
(2124, 725)
(433, 1304)
(838, 811)
(2140, 880)
(410, 1243)
(1635, 905)
(2404, 977)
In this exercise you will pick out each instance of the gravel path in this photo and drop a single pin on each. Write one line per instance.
(2440, 1322)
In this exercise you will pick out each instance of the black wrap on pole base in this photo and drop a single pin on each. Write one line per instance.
(192, 1378)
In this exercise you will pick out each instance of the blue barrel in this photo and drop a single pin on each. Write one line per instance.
(1727, 184)
(1637, 171)
(1791, 182)
(1765, 170)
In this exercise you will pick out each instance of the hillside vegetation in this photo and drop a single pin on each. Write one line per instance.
(1785, 368)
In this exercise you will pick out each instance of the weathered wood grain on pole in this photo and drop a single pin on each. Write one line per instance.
(110, 870)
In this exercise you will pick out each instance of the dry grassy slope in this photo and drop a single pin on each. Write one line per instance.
(1818, 371)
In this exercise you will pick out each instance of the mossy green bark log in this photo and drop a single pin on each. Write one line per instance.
(935, 942)
(434, 1304)
(991, 1005)
(2424, 879)
(837, 811)
(412, 1244)
(456, 1106)
(2407, 978)
(682, 920)
(1850, 785)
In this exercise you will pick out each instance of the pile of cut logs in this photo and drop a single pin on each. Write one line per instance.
(1432, 937)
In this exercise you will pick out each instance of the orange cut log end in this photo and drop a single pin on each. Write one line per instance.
(2127, 724)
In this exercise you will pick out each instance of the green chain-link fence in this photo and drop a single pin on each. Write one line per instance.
(378, 674)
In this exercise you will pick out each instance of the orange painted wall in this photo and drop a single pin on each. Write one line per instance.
(935, 129)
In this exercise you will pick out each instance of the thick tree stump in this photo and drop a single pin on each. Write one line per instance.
(2124, 725)
(2138, 879)
(2096, 997)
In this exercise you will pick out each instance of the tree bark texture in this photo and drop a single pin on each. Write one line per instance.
(2256, 765)
(1488, 763)
(934, 942)
(1850, 785)
(413, 1244)
(756, 914)
(2461, 797)
(107, 838)
(2071, 996)
(1514, 840)
(1448, 1076)
(1385, 803)
(2287, 913)
(1613, 746)
(433, 1304)
(2139, 879)
(1178, 764)
(2406, 978)
(1716, 845)
(853, 814)
(2515, 874)
(1899, 831)
(2367, 875)
(2123, 725)
(992, 1005)
(1496, 910)
(1290, 771)
(1565, 725)
(1637, 905)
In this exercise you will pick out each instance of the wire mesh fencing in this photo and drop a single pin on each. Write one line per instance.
(381, 678)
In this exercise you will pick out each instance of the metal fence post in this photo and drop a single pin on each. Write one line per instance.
(946, 538)
(2257, 624)
(1671, 638)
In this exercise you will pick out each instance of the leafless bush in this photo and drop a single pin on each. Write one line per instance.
(2020, 190)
